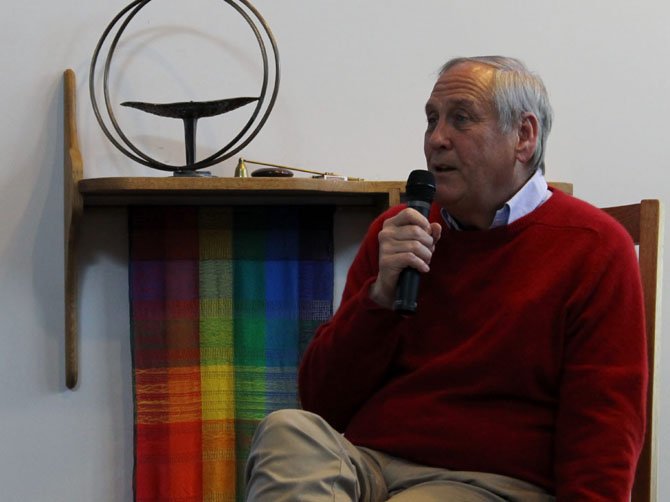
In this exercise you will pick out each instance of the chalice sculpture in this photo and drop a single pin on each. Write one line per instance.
(190, 111)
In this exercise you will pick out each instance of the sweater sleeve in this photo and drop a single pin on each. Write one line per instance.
(350, 355)
(602, 396)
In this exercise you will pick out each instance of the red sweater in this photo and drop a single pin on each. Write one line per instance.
(526, 356)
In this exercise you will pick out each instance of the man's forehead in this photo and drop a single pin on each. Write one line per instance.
(455, 102)
(464, 83)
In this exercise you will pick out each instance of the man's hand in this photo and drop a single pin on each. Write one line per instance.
(406, 240)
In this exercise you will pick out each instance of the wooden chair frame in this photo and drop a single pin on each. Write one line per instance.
(644, 223)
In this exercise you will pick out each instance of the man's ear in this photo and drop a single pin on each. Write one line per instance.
(528, 132)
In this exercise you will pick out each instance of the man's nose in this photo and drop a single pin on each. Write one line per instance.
(440, 137)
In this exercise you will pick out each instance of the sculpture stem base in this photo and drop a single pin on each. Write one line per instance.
(192, 174)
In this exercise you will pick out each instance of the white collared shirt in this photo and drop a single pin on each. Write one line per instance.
(531, 196)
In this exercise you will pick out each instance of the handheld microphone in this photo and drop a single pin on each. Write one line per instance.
(419, 191)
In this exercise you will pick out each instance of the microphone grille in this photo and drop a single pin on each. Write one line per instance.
(420, 185)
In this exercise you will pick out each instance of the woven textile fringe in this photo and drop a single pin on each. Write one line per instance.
(223, 301)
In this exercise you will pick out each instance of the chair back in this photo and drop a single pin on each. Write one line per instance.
(644, 223)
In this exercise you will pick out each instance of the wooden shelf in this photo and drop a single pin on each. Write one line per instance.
(212, 190)
(80, 193)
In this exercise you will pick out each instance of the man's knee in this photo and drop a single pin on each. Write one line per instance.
(287, 420)
(290, 425)
(286, 417)
(296, 455)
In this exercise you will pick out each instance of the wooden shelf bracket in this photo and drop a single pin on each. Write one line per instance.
(73, 206)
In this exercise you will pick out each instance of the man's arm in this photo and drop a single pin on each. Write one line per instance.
(601, 415)
(351, 355)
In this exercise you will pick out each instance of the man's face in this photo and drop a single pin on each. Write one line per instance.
(475, 164)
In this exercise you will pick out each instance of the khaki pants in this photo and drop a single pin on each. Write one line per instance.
(296, 456)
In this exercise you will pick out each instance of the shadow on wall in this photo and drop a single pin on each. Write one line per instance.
(32, 256)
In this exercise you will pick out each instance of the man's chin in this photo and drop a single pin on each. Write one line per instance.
(447, 196)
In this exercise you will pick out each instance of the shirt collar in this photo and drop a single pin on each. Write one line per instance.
(532, 195)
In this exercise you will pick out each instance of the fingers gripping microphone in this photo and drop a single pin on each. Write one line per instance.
(419, 193)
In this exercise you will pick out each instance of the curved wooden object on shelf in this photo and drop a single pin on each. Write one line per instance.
(73, 208)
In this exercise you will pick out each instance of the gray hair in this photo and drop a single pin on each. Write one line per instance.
(515, 91)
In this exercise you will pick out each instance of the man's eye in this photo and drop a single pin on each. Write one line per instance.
(461, 118)
(431, 120)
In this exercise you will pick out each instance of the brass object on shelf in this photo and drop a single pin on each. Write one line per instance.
(241, 168)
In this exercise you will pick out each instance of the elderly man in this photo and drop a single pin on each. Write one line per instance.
(522, 375)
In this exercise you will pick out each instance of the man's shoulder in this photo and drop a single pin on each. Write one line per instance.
(574, 213)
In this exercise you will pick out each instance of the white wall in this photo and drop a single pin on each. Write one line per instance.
(355, 76)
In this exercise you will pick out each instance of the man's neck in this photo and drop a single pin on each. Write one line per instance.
(484, 219)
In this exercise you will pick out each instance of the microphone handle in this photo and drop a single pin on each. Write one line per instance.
(407, 289)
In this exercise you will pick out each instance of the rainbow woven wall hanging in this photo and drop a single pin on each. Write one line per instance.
(223, 301)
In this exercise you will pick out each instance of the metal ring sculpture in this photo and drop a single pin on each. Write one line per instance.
(233, 146)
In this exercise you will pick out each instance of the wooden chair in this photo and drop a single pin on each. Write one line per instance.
(644, 223)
